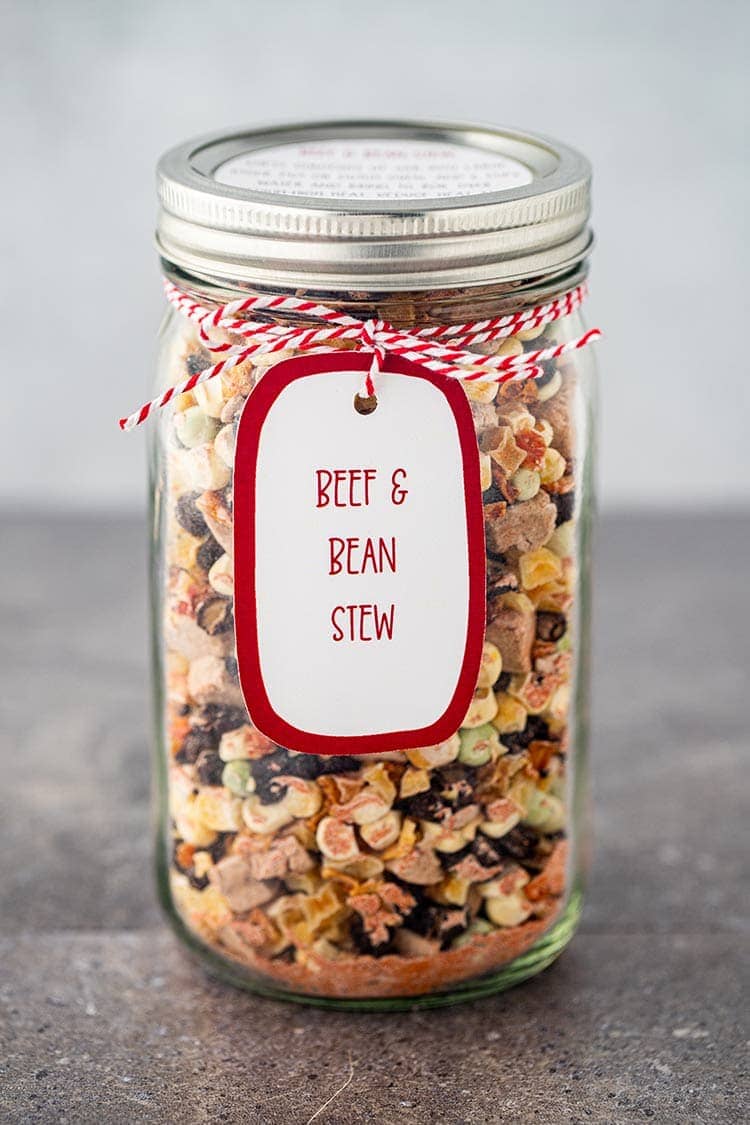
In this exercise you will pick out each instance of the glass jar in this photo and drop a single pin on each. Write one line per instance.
(412, 874)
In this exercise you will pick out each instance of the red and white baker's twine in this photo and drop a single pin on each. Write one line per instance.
(439, 348)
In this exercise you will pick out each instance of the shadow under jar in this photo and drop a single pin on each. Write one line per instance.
(421, 875)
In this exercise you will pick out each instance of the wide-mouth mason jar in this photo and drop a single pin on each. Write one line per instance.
(372, 498)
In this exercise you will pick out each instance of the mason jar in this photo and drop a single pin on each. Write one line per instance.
(371, 559)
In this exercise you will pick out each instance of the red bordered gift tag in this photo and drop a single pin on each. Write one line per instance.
(359, 557)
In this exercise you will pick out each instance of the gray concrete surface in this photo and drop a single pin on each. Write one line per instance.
(104, 1019)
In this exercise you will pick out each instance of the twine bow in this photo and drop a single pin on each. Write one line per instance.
(439, 348)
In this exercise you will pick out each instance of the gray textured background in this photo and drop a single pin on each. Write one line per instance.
(655, 93)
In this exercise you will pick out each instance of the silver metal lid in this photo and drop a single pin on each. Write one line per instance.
(373, 205)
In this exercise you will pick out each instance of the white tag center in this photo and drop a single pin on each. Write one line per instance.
(362, 587)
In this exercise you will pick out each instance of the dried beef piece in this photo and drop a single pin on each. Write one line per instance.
(484, 415)
(511, 626)
(189, 517)
(208, 553)
(525, 525)
(209, 768)
(489, 438)
(565, 503)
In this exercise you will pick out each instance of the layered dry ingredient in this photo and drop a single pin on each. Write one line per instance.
(395, 874)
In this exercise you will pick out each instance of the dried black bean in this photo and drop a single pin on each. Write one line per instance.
(195, 741)
(549, 367)
(439, 923)
(209, 767)
(520, 844)
(492, 494)
(536, 344)
(565, 504)
(208, 552)
(535, 729)
(266, 772)
(218, 718)
(189, 517)
(197, 361)
(486, 851)
(214, 615)
(550, 626)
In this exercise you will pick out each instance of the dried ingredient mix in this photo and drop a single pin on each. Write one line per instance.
(438, 863)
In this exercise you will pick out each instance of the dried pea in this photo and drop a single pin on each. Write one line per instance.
(477, 745)
(237, 778)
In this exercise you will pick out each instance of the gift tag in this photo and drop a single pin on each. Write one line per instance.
(359, 556)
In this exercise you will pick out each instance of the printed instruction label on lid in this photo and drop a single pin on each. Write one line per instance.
(359, 557)
(370, 169)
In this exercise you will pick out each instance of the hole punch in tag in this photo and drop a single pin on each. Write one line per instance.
(359, 556)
